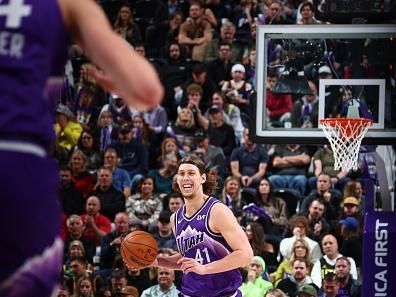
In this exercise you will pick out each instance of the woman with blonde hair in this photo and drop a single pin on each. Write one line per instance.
(83, 180)
(232, 197)
(300, 249)
(275, 293)
(184, 129)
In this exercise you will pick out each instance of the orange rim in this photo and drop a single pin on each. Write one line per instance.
(352, 126)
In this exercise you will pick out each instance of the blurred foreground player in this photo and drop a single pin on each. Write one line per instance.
(33, 41)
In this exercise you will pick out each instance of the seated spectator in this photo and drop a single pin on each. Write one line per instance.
(300, 249)
(89, 146)
(231, 114)
(134, 155)
(157, 120)
(118, 281)
(120, 112)
(307, 10)
(107, 131)
(279, 106)
(163, 177)
(184, 129)
(290, 165)
(255, 285)
(175, 201)
(129, 291)
(166, 284)
(351, 208)
(96, 225)
(201, 77)
(220, 133)
(173, 75)
(71, 199)
(304, 113)
(212, 156)
(79, 272)
(67, 130)
(220, 67)
(348, 286)
(145, 205)
(164, 234)
(316, 221)
(330, 198)
(299, 228)
(238, 90)
(110, 245)
(231, 196)
(331, 286)
(85, 110)
(326, 264)
(250, 66)
(75, 249)
(85, 287)
(75, 231)
(227, 36)
(244, 15)
(83, 180)
(276, 15)
(274, 292)
(276, 220)
(120, 177)
(354, 188)
(261, 247)
(195, 33)
(139, 278)
(126, 27)
(140, 130)
(249, 162)
(63, 291)
(307, 291)
(299, 278)
(112, 201)
(351, 239)
(170, 145)
(196, 105)
(323, 161)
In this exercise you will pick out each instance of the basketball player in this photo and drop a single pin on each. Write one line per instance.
(212, 245)
(33, 40)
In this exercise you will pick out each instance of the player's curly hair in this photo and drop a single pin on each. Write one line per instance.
(210, 184)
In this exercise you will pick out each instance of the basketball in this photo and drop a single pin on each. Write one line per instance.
(139, 249)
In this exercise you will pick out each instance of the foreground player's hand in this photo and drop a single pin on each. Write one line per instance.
(191, 265)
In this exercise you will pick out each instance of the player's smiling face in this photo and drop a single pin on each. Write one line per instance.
(190, 180)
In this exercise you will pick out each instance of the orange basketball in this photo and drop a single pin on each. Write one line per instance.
(139, 249)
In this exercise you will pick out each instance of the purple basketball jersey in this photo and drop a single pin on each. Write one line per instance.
(32, 47)
(196, 240)
(33, 44)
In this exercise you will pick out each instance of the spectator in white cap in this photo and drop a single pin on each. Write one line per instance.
(238, 90)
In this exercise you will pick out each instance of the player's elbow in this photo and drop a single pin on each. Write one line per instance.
(247, 256)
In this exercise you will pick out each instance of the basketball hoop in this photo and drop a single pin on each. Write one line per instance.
(345, 136)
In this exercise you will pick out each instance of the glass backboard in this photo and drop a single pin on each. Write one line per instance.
(337, 63)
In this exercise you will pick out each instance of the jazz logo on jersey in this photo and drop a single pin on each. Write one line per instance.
(187, 243)
(14, 11)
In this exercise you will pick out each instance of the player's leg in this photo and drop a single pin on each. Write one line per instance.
(30, 250)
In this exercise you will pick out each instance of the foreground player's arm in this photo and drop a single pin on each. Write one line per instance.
(125, 72)
(223, 221)
(169, 261)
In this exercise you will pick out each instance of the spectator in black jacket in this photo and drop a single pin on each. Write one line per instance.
(71, 199)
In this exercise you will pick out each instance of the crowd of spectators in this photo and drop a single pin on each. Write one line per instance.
(303, 218)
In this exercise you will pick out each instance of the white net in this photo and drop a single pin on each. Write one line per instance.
(345, 136)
